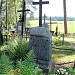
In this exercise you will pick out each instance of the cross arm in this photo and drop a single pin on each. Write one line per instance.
(44, 2)
(23, 10)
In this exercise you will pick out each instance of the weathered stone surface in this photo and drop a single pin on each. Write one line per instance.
(41, 43)
(19, 27)
(40, 31)
(45, 25)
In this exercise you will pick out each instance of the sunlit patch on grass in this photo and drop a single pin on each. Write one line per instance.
(63, 55)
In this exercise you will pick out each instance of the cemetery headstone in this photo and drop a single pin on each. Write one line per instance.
(19, 27)
(45, 25)
(41, 43)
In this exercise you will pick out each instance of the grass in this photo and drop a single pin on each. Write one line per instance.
(64, 53)
(60, 55)
(70, 25)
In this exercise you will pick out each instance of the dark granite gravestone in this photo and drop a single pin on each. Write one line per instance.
(41, 43)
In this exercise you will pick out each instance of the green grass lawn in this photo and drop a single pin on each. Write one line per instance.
(62, 55)
(70, 25)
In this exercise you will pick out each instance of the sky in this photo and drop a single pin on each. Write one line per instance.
(55, 8)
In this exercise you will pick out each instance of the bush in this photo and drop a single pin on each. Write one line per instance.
(26, 67)
(17, 49)
(4, 64)
(56, 41)
(62, 71)
(56, 32)
(72, 71)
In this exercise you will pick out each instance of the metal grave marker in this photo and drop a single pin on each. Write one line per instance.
(23, 16)
(45, 25)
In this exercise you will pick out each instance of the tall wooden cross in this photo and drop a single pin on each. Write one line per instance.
(40, 9)
(23, 15)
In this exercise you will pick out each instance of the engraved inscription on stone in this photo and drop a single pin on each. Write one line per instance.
(41, 47)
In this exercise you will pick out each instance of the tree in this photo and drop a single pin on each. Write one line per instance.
(6, 14)
(15, 10)
(0, 12)
(65, 21)
(9, 11)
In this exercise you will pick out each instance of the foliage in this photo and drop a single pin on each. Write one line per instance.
(56, 41)
(18, 49)
(4, 64)
(30, 56)
(26, 67)
(62, 71)
(56, 32)
(12, 7)
(72, 71)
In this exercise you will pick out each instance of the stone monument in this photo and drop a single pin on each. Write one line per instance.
(46, 26)
(41, 43)
(19, 27)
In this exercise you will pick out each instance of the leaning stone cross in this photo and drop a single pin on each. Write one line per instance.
(40, 9)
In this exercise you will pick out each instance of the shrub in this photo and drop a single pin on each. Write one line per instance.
(26, 67)
(56, 41)
(72, 71)
(56, 32)
(4, 64)
(18, 49)
(62, 71)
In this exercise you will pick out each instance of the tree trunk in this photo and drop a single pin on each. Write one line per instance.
(0, 13)
(15, 10)
(65, 16)
(6, 14)
(50, 24)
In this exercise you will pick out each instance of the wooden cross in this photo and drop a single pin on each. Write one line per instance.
(23, 16)
(50, 24)
(44, 18)
(40, 10)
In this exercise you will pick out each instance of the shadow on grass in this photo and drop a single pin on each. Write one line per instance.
(61, 53)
